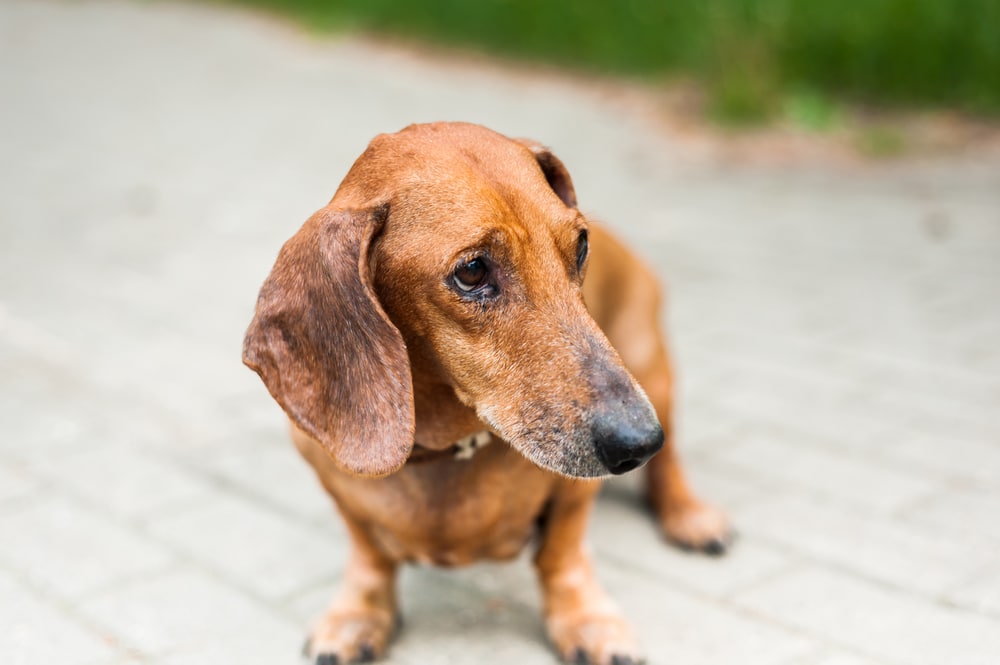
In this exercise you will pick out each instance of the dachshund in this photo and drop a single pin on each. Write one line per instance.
(463, 355)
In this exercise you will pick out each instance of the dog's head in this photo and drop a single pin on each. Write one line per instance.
(454, 245)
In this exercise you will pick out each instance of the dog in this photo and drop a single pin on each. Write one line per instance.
(463, 355)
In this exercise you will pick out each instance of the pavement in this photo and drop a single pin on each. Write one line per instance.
(836, 326)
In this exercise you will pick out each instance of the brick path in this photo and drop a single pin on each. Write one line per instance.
(836, 327)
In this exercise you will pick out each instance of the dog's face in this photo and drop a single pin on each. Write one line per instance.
(476, 257)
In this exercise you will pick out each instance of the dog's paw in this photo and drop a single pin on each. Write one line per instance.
(340, 638)
(603, 639)
(698, 526)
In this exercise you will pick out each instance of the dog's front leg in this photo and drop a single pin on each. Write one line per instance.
(360, 621)
(582, 621)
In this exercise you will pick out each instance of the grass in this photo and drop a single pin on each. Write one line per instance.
(881, 142)
(757, 58)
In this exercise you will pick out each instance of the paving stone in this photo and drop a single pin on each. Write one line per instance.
(868, 545)
(836, 658)
(184, 612)
(722, 484)
(677, 627)
(54, 407)
(36, 632)
(15, 485)
(464, 618)
(980, 592)
(50, 407)
(259, 549)
(124, 479)
(966, 514)
(277, 473)
(280, 646)
(945, 451)
(70, 551)
(852, 480)
(617, 522)
(832, 324)
(872, 620)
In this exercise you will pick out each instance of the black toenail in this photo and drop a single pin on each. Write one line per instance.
(619, 659)
(580, 657)
(327, 659)
(715, 547)
(366, 653)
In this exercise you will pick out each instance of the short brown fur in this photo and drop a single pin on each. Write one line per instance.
(363, 339)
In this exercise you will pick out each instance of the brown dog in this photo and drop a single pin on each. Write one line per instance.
(437, 304)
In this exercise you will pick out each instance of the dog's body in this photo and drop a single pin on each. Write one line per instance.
(441, 294)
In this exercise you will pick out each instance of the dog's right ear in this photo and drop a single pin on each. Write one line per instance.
(555, 172)
(326, 349)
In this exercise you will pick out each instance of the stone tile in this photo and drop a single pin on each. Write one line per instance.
(835, 657)
(513, 582)
(843, 610)
(980, 592)
(263, 551)
(278, 474)
(720, 484)
(46, 405)
(55, 404)
(16, 486)
(306, 605)
(237, 425)
(36, 632)
(853, 480)
(701, 425)
(966, 514)
(962, 391)
(124, 479)
(838, 369)
(678, 627)
(624, 535)
(443, 604)
(267, 646)
(184, 612)
(71, 551)
(462, 618)
(869, 546)
(945, 451)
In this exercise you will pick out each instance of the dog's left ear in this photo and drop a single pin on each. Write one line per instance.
(327, 351)
(555, 171)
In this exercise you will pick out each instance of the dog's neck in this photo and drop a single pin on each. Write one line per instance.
(440, 418)
(462, 450)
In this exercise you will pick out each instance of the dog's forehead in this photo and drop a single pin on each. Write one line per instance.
(463, 177)
(439, 152)
(461, 213)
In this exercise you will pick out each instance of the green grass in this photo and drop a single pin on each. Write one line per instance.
(881, 141)
(750, 54)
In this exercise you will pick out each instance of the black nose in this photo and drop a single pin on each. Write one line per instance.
(625, 443)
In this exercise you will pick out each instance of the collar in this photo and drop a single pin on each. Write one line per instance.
(463, 449)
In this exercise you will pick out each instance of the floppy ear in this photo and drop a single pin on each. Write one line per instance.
(326, 350)
(555, 171)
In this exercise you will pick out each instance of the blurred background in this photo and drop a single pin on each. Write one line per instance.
(818, 184)
(747, 62)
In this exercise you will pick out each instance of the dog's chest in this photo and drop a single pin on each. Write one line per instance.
(452, 511)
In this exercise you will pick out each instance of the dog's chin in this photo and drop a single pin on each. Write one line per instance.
(579, 461)
(572, 455)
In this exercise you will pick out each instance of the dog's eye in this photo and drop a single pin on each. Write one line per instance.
(471, 275)
(582, 248)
